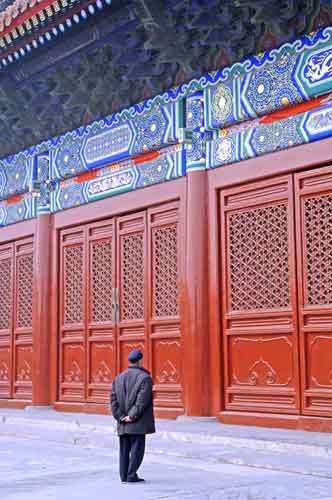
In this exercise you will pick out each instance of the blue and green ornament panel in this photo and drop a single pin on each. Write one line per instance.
(19, 208)
(197, 135)
(105, 143)
(265, 135)
(114, 138)
(15, 175)
(121, 177)
(277, 79)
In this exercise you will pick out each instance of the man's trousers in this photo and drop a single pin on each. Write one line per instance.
(132, 448)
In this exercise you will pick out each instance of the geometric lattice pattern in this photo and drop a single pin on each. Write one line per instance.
(258, 258)
(165, 272)
(73, 285)
(24, 283)
(101, 281)
(5, 293)
(132, 279)
(318, 227)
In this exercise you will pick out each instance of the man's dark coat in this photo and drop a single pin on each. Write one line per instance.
(132, 395)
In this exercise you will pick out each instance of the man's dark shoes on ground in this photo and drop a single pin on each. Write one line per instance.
(136, 480)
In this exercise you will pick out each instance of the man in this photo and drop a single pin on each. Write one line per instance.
(132, 407)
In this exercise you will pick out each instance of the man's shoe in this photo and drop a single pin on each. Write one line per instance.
(136, 480)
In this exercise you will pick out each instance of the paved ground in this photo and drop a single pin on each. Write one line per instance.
(36, 470)
(56, 458)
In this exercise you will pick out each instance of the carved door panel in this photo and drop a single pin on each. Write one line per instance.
(259, 297)
(16, 282)
(101, 337)
(22, 321)
(87, 358)
(72, 335)
(119, 291)
(6, 318)
(132, 287)
(163, 307)
(314, 246)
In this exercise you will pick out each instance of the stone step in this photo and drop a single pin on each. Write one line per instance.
(202, 435)
(177, 450)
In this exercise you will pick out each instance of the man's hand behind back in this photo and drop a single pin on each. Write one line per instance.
(126, 419)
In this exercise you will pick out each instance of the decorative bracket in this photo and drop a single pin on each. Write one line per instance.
(185, 135)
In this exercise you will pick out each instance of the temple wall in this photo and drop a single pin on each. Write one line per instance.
(210, 270)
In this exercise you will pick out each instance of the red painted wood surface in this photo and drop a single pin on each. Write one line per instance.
(119, 290)
(165, 339)
(259, 297)
(241, 287)
(41, 311)
(142, 201)
(309, 242)
(197, 386)
(314, 249)
(16, 292)
(295, 422)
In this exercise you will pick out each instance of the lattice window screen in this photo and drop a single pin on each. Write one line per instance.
(318, 261)
(73, 285)
(5, 293)
(165, 272)
(132, 279)
(24, 284)
(101, 280)
(258, 270)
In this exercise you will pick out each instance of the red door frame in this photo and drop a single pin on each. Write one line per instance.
(290, 161)
(18, 231)
(194, 323)
(105, 209)
(315, 324)
(274, 321)
(22, 231)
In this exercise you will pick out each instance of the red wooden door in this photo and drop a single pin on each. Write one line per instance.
(119, 291)
(100, 333)
(131, 287)
(87, 338)
(259, 297)
(148, 284)
(6, 318)
(72, 334)
(165, 344)
(314, 245)
(16, 282)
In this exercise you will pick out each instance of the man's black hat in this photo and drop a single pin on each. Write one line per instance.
(135, 355)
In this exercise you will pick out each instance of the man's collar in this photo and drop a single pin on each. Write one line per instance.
(138, 367)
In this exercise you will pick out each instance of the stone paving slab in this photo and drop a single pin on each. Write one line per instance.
(210, 442)
(210, 453)
(183, 430)
(52, 471)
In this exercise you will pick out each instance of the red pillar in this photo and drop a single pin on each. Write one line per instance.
(41, 305)
(195, 300)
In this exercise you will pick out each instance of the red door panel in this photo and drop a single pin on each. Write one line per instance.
(72, 284)
(314, 245)
(101, 336)
(119, 291)
(132, 287)
(259, 297)
(16, 287)
(163, 308)
(22, 335)
(6, 316)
